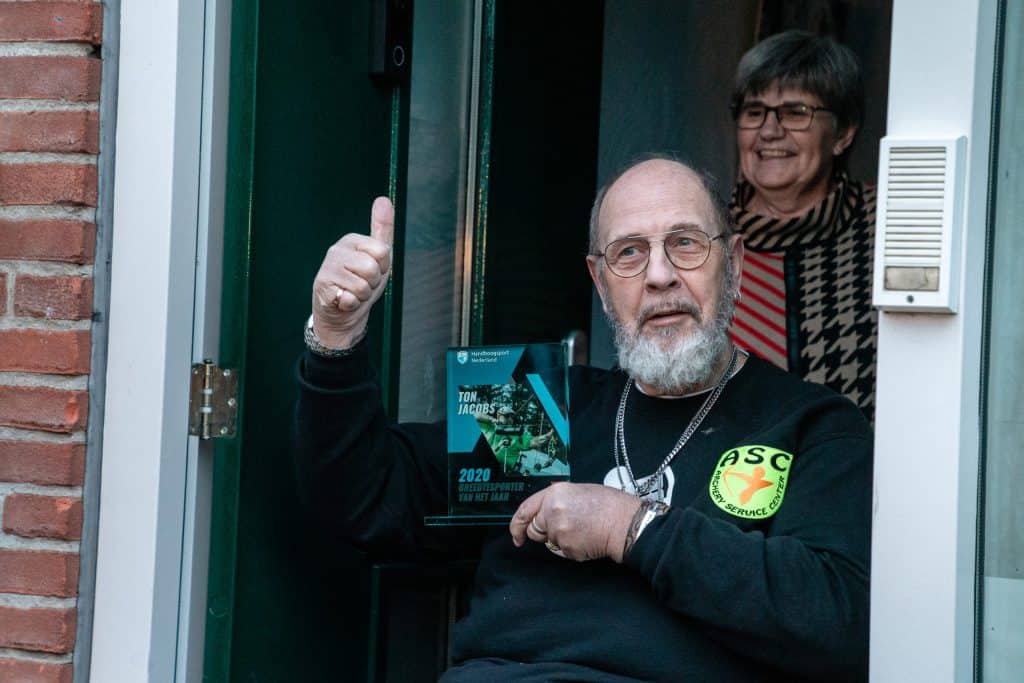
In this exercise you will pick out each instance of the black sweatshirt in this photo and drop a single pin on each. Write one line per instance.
(775, 590)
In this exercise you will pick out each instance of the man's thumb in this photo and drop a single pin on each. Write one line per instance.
(382, 220)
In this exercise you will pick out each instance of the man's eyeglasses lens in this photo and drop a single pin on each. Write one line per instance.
(686, 249)
(790, 116)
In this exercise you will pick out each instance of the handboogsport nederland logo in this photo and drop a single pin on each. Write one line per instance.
(750, 481)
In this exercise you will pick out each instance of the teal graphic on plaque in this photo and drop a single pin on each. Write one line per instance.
(508, 429)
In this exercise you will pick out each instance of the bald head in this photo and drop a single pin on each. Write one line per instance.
(671, 323)
(679, 182)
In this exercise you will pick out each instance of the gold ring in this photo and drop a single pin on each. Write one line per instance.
(533, 525)
(554, 548)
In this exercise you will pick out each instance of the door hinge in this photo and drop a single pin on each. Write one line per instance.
(213, 401)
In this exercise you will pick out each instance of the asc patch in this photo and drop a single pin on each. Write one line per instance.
(750, 481)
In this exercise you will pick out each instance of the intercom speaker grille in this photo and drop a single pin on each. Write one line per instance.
(914, 206)
(917, 246)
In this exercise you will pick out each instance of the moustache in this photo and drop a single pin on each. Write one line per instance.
(669, 308)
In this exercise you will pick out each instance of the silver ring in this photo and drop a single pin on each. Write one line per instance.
(533, 525)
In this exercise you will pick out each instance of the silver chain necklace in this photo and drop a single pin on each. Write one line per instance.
(620, 431)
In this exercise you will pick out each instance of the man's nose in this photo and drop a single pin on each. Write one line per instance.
(661, 273)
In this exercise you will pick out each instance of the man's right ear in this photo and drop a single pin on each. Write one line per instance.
(594, 266)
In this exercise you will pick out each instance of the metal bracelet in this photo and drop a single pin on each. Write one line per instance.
(634, 526)
(314, 344)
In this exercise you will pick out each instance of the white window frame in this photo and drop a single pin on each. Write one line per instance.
(929, 369)
(153, 534)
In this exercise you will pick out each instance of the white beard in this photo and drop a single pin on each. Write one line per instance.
(671, 362)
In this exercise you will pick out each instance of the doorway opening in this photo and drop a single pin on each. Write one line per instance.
(516, 112)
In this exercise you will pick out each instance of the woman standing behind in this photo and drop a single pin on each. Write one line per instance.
(805, 298)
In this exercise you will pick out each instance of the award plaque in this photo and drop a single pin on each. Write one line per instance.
(508, 429)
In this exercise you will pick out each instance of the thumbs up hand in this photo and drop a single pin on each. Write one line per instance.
(352, 277)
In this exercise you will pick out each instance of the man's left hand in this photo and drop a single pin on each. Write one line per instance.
(577, 521)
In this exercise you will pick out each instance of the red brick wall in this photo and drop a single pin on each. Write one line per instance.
(49, 141)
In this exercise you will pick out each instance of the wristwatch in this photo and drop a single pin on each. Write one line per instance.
(314, 344)
(653, 508)
(645, 514)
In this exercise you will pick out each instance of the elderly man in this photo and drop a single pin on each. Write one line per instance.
(719, 508)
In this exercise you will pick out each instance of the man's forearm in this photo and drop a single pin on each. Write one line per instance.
(358, 473)
(794, 592)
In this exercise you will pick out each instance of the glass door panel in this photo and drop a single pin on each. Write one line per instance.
(441, 120)
(1002, 538)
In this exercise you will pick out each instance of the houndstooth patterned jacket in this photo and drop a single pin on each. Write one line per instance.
(805, 301)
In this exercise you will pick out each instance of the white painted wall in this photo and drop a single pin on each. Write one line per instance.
(927, 426)
(155, 208)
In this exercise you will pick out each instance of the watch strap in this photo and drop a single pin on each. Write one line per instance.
(314, 344)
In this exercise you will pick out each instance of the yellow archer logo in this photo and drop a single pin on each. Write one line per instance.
(750, 481)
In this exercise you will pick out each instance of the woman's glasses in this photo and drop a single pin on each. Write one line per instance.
(794, 116)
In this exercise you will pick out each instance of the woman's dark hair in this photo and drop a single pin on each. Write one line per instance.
(816, 64)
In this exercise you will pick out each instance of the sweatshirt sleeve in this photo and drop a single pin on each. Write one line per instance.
(359, 475)
(792, 594)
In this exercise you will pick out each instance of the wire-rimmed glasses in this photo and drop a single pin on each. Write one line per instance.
(791, 116)
(686, 249)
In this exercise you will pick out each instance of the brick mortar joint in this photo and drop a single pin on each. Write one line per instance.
(47, 48)
(18, 434)
(29, 655)
(63, 556)
(25, 601)
(34, 212)
(48, 490)
(46, 268)
(15, 378)
(10, 542)
(38, 105)
(32, 324)
(14, 159)
(12, 322)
